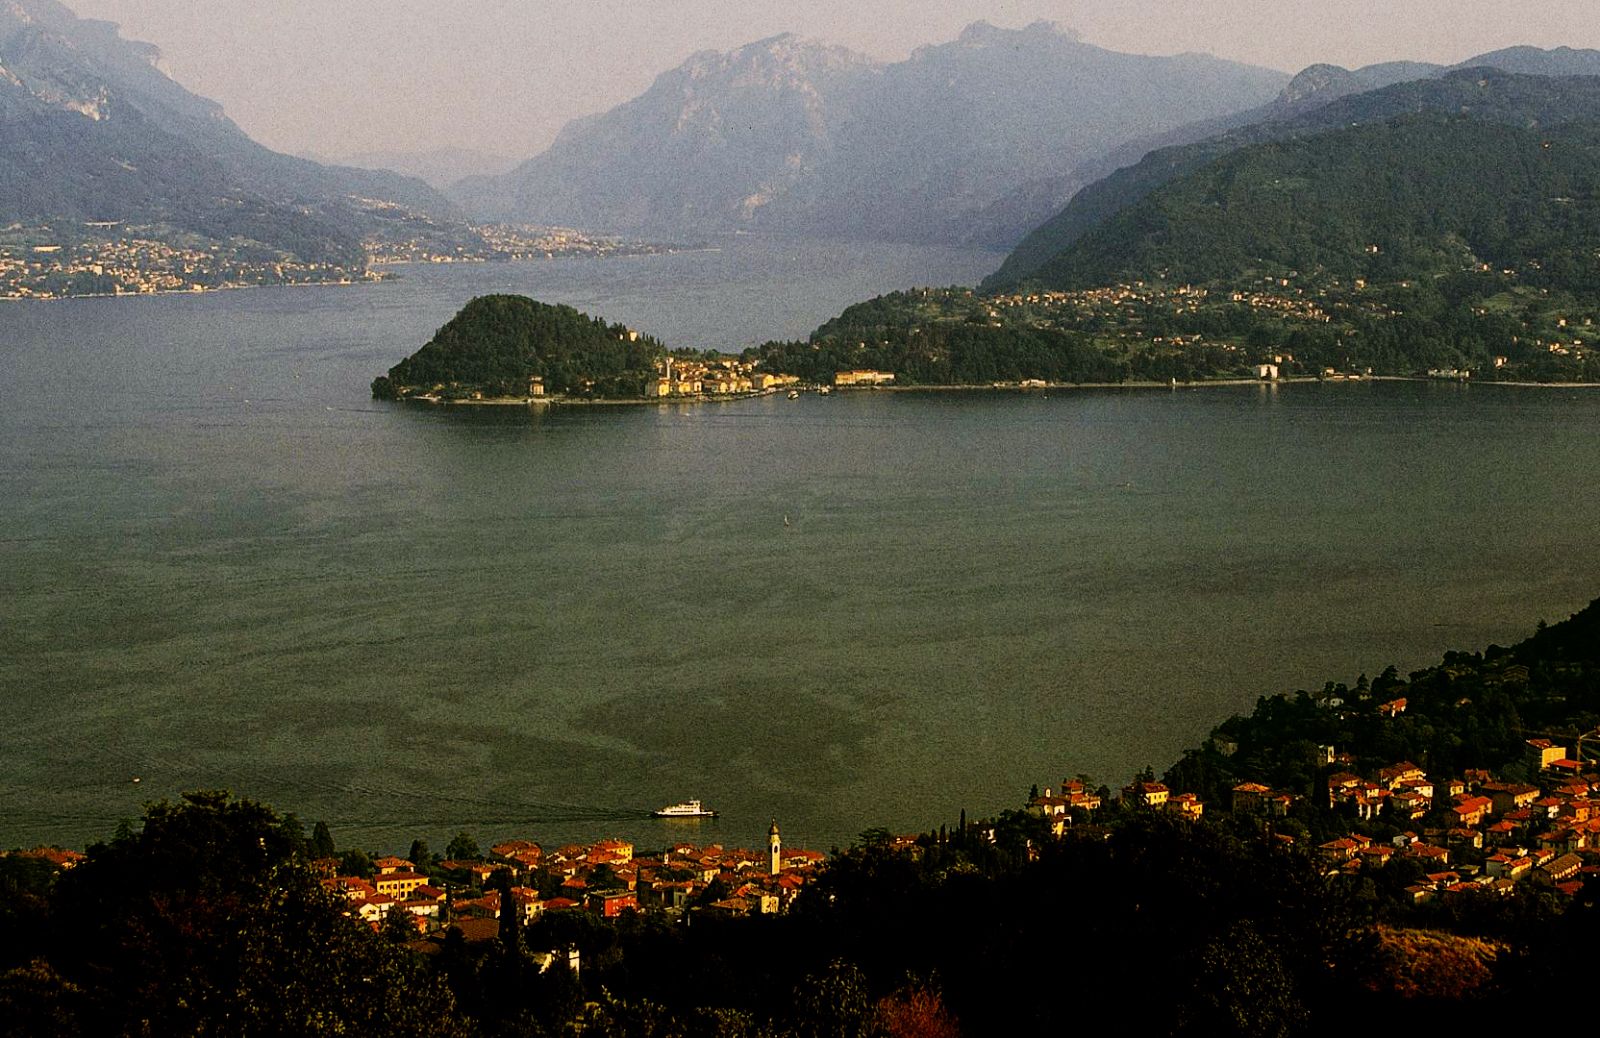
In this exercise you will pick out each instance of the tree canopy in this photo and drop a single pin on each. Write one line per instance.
(496, 344)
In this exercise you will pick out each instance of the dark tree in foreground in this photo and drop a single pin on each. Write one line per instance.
(206, 921)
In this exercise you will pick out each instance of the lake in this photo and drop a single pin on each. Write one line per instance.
(223, 565)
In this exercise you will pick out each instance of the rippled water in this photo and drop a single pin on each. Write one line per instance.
(222, 565)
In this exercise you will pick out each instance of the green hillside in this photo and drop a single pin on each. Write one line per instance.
(1525, 101)
(496, 344)
(1415, 197)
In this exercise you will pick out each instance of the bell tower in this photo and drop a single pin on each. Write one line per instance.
(774, 849)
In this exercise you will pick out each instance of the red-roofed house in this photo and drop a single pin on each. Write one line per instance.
(1186, 806)
(611, 851)
(1471, 811)
(373, 909)
(1405, 771)
(1146, 794)
(398, 885)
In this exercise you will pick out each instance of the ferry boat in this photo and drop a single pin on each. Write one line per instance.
(689, 809)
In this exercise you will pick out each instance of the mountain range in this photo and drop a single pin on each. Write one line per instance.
(977, 141)
(792, 136)
(437, 167)
(996, 137)
(92, 131)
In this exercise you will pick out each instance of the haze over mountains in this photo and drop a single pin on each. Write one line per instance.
(983, 140)
(438, 167)
(976, 141)
(91, 130)
(793, 136)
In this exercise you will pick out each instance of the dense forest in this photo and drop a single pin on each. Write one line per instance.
(206, 917)
(498, 343)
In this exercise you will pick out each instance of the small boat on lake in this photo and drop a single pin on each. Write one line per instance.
(687, 809)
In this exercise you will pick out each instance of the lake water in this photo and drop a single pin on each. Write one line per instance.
(223, 565)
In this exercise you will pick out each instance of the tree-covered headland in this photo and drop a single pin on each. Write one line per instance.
(498, 345)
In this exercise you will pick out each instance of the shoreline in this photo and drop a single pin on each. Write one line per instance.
(728, 398)
(381, 269)
(194, 292)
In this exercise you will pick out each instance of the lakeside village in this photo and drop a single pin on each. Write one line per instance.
(676, 378)
(731, 376)
(1469, 834)
(487, 243)
(108, 258)
(44, 266)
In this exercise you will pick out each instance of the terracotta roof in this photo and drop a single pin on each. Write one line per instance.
(477, 930)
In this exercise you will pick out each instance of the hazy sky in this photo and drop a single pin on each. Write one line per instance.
(342, 76)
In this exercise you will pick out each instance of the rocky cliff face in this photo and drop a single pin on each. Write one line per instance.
(711, 145)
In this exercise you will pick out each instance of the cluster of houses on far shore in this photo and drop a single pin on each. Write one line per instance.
(730, 376)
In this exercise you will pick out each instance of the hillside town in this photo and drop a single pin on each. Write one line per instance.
(433, 895)
(604, 878)
(1474, 832)
(1469, 833)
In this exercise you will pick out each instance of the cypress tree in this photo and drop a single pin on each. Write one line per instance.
(322, 841)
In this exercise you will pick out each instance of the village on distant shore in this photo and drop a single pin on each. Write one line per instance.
(112, 258)
(689, 380)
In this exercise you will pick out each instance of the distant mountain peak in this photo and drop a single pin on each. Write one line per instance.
(983, 34)
(786, 52)
(797, 136)
(1557, 61)
(1315, 79)
(1324, 83)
